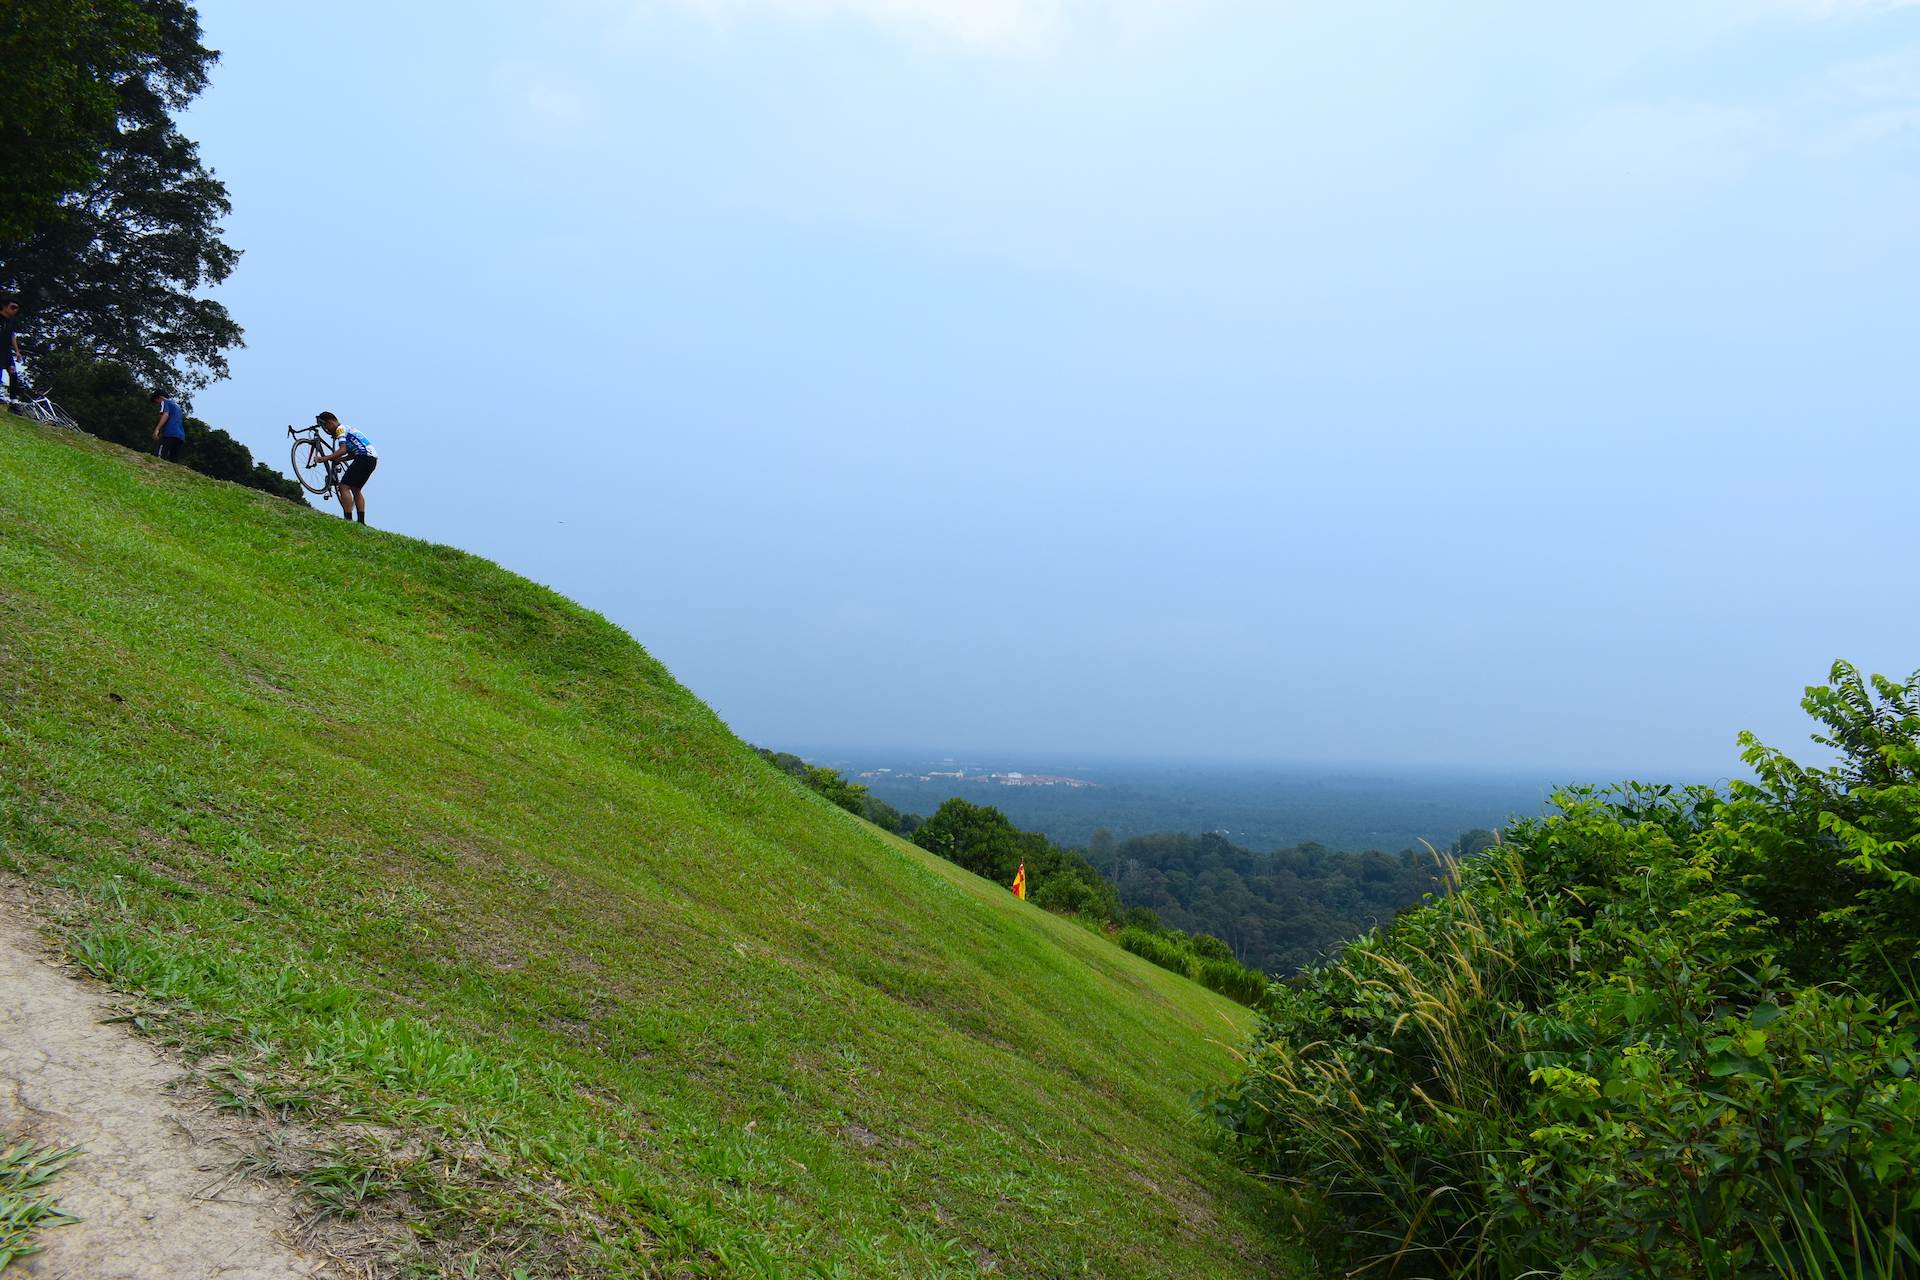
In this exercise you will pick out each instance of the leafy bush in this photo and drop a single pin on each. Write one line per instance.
(1616, 1047)
(1208, 947)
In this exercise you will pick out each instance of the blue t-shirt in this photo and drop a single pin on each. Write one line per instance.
(358, 446)
(176, 428)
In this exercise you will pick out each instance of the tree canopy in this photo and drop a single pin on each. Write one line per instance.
(60, 64)
(111, 228)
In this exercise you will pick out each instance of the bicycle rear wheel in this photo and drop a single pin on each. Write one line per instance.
(309, 467)
(60, 417)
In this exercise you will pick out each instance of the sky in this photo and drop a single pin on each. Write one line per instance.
(1480, 385)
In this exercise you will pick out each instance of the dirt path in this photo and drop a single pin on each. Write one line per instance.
(152, 1190)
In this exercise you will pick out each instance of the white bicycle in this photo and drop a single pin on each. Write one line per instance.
(38, 405)
(42, 409)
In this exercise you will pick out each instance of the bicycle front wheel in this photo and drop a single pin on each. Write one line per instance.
(310, 468)
(60, 417)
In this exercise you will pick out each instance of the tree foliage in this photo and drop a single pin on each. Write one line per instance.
(117, 229)
(1663, 1032)
(60, 63)
(984, 840)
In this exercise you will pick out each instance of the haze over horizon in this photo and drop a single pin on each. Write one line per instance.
(1496, 388)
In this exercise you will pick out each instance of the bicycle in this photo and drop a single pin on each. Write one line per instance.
(42, 409)
(39, 404)
(310, 465)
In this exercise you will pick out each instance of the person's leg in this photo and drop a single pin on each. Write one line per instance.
(362, 472)
(346, 501)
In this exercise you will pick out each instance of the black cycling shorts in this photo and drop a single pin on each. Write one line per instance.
(357, 472)
(170, 447)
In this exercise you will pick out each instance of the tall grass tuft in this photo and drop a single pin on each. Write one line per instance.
(26, 1206)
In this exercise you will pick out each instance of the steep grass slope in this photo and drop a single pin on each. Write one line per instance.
(449, 869)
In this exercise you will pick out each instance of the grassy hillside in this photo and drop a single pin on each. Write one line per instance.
(567, 978)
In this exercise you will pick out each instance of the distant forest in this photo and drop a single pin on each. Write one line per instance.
(1254, 807)
(1279, 911)
(1276, 911)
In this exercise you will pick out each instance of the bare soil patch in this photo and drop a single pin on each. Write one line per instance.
(155, 1189)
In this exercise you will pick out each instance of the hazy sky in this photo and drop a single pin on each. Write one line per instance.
(1478, 383)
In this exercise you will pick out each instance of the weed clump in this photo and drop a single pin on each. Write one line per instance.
(26, 1204)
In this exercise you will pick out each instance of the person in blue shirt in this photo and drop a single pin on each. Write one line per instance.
(170, 430)
(358, 453)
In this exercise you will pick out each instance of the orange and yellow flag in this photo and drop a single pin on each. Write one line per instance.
(1020, 883)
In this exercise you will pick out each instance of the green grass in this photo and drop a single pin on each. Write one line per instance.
(419, 852)
(26, 1207)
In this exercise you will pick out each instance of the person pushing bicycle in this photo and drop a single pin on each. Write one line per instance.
(359, 454)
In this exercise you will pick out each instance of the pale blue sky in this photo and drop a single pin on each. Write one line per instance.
(1478, 384)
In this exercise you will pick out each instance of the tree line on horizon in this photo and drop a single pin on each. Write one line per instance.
(110, 233)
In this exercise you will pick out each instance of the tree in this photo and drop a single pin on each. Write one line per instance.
(975, 836)
(60, 63)
(850, 796)
(109, 266)
(984, 841)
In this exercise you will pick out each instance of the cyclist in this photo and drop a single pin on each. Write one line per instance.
(353, 445)
(170, 430)
(17, 389)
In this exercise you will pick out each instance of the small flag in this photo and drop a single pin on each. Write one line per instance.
(1020, 883)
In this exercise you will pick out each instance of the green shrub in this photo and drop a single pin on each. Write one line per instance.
(1615, 1048)
(1154, 947)
(1208, 947)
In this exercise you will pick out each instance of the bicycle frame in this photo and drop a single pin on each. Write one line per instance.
(317, 439)
(41, 408)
